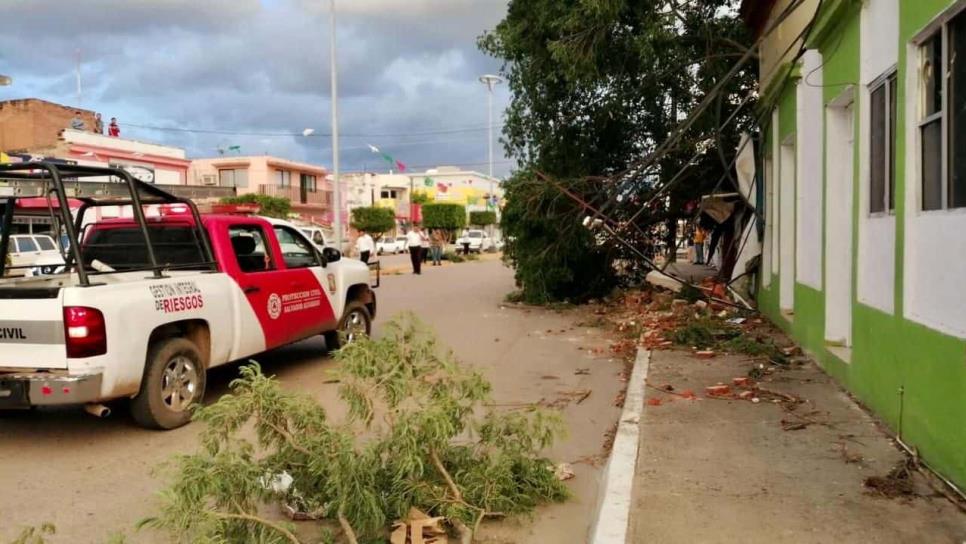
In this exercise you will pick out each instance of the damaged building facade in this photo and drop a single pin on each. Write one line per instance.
(863, 162)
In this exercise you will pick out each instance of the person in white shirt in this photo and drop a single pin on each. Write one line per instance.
(414, 239)
(365, 246)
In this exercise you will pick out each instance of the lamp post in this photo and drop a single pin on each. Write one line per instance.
(490, 81)
(336, 189)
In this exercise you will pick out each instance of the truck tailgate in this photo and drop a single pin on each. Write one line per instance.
(32, 331)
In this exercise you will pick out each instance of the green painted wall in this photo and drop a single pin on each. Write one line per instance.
(913, 377)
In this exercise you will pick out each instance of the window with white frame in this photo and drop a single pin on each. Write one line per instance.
(882, 148)
(388, 193)
(942, 120)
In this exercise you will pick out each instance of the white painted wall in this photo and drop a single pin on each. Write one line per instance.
(935, 241)
(839, 168)
(810, 107)
(766, 256)
(786, 222)
(773, 203)
(879, 38)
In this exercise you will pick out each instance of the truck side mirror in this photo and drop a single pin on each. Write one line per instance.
(331, 254)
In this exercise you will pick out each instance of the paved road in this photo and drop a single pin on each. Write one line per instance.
(93, 477)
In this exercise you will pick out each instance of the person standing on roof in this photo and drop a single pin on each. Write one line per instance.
(365, 246)
(114, 130)
(414, 240)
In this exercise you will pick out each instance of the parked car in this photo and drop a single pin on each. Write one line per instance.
(391, 245)
(316, 235)
(32, 251)
(477, 240)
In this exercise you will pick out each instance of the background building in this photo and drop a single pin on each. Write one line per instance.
(305, 185)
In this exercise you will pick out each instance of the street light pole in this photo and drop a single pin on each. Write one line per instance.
(490, 81)
(337, 191)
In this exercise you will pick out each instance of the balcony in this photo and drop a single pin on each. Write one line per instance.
(298, 195)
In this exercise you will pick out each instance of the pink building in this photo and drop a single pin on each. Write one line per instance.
(305, 185)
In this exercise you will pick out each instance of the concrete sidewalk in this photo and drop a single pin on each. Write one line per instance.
(713, 470)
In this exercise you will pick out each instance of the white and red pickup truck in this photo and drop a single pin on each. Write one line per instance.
(146, 305)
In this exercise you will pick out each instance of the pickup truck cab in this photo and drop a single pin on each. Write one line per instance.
(477, 240)
(145, 321)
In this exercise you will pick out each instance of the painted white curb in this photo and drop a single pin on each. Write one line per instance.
(611, 524)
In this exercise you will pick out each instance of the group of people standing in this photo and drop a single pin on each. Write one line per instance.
(422, 246)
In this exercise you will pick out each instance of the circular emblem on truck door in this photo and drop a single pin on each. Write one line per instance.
(274, 306)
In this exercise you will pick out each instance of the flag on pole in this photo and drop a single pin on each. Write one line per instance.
(393, 163)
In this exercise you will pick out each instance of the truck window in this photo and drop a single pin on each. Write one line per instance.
(122, 248)
(297, 252)
(45, 243)
(251, 251)
(26, 244)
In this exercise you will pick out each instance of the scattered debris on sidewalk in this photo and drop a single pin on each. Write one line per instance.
(897, 483)
(418, 528)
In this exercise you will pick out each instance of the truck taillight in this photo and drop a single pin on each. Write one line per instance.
(85, 332)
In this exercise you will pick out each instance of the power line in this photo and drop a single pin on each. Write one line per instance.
(231, 132)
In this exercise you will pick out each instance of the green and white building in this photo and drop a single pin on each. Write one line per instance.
(864, 177)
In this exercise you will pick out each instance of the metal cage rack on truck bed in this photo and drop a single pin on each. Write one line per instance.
(59, 184)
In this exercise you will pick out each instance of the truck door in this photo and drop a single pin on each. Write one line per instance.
(289, 302)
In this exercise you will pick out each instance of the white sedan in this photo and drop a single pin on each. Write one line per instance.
(388, 244)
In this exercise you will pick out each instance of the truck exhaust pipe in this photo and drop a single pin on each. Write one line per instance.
(97, 410)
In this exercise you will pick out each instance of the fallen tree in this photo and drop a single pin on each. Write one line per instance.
(417, 435)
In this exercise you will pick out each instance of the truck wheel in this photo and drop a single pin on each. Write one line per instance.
(173, 384)
(355, 322)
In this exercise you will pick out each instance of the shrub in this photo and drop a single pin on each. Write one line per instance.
(269, 206)
(374, 220)
(482, 218)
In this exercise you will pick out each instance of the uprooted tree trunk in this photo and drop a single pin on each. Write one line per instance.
(416, 435)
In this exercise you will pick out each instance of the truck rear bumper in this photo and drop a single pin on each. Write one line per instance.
(23, 390)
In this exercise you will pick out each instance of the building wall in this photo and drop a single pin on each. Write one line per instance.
(906, 311)
(779, 47)
(31, 123)
(262, 179)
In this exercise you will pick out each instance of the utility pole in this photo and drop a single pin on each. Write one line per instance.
(490, 81)
(77, 73)
(336, 189)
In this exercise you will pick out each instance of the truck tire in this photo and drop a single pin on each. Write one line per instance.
(173, 384)
(355, 320)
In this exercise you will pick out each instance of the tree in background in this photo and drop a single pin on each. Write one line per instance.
(447, 217)
(597, 88)
(374, 220)
(420, 197)
(269, 206)
(482, 218)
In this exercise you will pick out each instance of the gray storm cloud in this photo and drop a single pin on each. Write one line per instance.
(405, 67)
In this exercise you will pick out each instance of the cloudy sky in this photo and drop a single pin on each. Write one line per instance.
(255, 73)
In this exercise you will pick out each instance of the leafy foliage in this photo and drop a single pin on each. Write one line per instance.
(444, 216)
(554, 257)
(420, 197)
(35, 535)
(374, 220)
(596, 88)
(482, 218)
(270, 206)
(417, 434)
